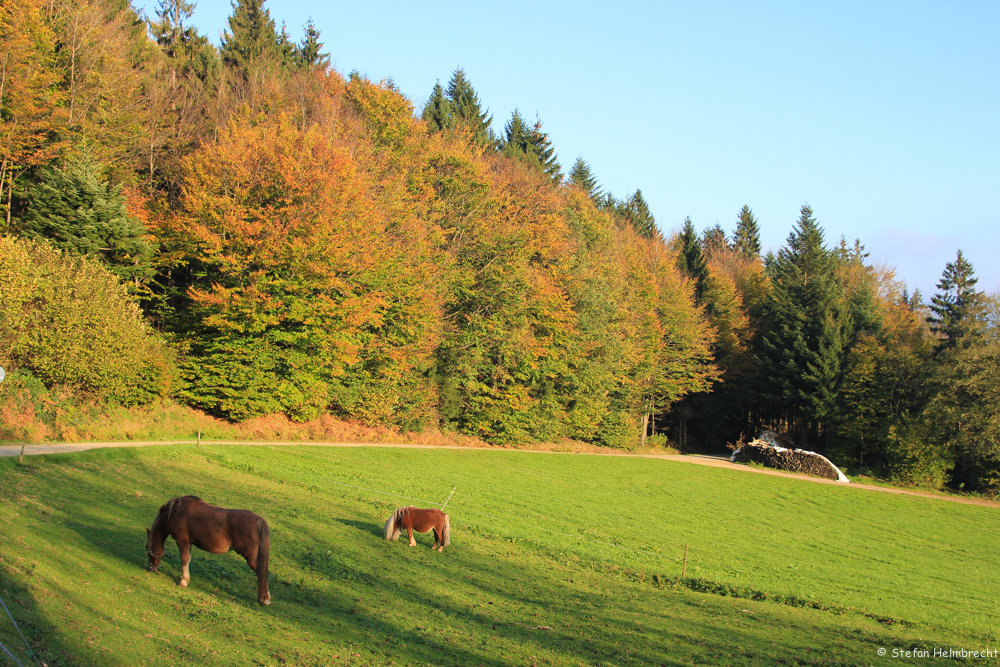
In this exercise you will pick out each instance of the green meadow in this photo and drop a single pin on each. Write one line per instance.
(556, 559)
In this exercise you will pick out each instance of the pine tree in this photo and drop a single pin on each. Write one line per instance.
(169, 30)
(437, 112)
(582, 177)
(811, 329)
(515, 141)
(74, 209)
(309, 54)
(637, 212)
(187, 50)
(746, 238)
(957, 310)
(691, 259)
(288, 51)
(251, 38)
(529, 144)
(541, 147)
(466, 108)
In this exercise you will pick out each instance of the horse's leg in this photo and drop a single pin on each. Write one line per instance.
(409, 531)
(438, 538)
(251, 557)
(185, 548)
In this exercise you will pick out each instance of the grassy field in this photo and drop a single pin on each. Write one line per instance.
(556, 560)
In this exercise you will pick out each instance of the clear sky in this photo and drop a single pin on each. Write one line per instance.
(882, 116)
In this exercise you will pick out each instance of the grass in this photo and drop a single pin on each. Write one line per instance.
(556, 560)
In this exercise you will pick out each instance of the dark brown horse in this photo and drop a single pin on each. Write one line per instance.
(414, 519)
(192, 521)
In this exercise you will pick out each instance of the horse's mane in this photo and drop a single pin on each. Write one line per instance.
(168, 508)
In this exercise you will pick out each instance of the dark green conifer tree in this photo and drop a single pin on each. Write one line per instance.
(637, 212)
(957, 310)
(690, 258)
(467, 110)
(583, 177)
(529, 144)
(811, 330)
(181, 43)
(545, 152)
(515, 139)
(746, 238)
(75, 209)
(309, 53)
(437, 112)
(251, 39)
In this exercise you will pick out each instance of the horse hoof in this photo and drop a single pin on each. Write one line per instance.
(183, 583)
(267, 601)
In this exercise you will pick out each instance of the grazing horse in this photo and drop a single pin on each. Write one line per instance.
(190, 520)
(414, 519)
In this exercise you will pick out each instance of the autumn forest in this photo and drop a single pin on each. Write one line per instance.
(246, 231)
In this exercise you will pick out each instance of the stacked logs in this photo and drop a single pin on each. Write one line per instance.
(793, 460)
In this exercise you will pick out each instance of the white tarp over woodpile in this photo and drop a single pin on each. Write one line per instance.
(766, 451)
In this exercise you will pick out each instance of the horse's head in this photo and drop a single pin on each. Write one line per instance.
(154, 559)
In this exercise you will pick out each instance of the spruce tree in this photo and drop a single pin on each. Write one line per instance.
(957, 310)
(746, 238)
(466, 109)
(187, 50)
(811, 328)
(636, 210)
(691, 259)
(251, 38)
(75, 209)
(169, 30)
(515, 140)
(309, 53)
(582, 177)
(529, 144)
(542, 149)
(437, 112)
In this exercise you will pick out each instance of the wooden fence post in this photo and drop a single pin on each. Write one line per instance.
(199, 437)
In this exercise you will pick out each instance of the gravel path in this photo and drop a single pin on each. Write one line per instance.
(700, 459)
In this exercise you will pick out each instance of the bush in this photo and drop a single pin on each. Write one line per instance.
(69, 322)
(914, 458)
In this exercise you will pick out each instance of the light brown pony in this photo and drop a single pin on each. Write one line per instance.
(192, 521)
(414, 519)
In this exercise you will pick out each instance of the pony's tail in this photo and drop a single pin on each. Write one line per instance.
(263, 551)
(391, 529)
(446, 533)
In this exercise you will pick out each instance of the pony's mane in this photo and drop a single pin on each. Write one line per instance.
(168, 509)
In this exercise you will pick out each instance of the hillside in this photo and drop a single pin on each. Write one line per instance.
(556, 559)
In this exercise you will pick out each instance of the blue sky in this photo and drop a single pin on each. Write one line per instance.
(882, 116)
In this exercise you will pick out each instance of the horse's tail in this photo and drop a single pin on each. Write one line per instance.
(263, 551)
(391, 529)
(446, 533)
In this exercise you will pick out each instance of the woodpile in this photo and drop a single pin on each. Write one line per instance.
(792, 460)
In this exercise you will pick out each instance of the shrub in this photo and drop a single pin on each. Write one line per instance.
(69, 322)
